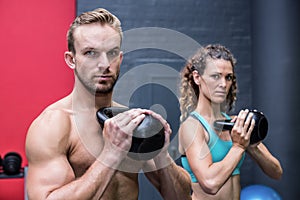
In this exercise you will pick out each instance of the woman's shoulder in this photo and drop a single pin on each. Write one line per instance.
(190, 127)
(189, 122)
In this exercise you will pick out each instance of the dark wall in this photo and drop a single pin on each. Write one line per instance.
(261, 34)
(276, 90)
(219, 21)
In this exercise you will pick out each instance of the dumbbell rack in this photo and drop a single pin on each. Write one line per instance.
(19, 175)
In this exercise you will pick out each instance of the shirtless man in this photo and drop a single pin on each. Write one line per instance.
(69, 155)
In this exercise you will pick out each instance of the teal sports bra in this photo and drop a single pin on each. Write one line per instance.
(218, 148)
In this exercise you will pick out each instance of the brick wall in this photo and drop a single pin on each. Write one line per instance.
(233, 23)
(220, 21)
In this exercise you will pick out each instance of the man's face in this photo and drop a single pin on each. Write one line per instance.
(98, 57)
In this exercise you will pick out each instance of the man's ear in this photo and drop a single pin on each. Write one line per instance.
(196, 77)
(70, 59)
(121, 56)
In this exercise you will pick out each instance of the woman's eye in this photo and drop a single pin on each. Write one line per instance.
(215, 76)
(229, 78)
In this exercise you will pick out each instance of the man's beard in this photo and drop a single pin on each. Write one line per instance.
(95, 90)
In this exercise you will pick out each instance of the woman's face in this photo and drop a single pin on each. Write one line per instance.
(216, 80)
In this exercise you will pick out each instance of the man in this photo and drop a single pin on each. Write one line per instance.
(69, 155)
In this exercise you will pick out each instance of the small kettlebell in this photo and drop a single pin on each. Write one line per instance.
(259, 132)
(148, 138)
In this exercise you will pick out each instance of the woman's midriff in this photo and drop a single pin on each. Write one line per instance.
(229, 191)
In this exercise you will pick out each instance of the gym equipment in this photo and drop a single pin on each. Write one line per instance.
(11, 163)
(259, 192)
(259, 132)
(148, 138)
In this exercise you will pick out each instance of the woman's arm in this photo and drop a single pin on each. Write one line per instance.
(267, 162)
(210, 175)
(213, 175)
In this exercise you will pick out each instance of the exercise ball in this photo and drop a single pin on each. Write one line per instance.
(259, 192)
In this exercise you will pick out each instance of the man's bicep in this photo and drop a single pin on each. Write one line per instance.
(46, 176)
(48, 166)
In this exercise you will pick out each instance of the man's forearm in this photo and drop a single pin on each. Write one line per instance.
(92, 185)
(171, 180)
(174, 182)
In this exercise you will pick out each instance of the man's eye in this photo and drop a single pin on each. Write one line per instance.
(90, 53)
(113, 53)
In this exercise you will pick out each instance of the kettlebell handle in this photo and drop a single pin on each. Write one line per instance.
(148, 137)
(108, 112)
(260, 129)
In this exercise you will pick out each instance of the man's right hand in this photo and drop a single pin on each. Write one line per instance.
(118, 130)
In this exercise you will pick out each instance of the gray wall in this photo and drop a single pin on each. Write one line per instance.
(261, 36)
(276, 91)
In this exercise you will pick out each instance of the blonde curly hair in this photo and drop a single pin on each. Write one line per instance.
(189, 90)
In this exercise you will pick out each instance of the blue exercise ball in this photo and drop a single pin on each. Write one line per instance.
(259, 192)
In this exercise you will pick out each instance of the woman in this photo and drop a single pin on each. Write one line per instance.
(214, 157)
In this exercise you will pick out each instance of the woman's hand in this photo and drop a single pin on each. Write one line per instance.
(242, 129)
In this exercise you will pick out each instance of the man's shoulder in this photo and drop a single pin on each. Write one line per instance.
(57, 110)
(49, 133)
(56, 116)
(50, 130)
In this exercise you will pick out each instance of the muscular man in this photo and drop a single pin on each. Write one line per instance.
(69, 155)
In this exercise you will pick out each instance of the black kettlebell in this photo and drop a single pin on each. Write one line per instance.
(12, 163)
(259, 132)
(148, 138)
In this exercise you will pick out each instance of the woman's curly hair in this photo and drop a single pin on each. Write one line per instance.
(189, 90)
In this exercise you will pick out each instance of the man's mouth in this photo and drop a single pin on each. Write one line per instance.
(104, 77)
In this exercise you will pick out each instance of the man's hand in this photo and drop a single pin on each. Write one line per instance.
(163, 159)
(117, 131)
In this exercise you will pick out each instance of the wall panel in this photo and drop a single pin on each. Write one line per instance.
(33, 73)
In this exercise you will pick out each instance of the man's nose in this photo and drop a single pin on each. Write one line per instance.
(103, 61)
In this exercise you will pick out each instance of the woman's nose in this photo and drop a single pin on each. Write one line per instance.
(222, 82)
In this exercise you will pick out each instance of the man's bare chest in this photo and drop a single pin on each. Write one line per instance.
(123, 185)
(84, 148)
